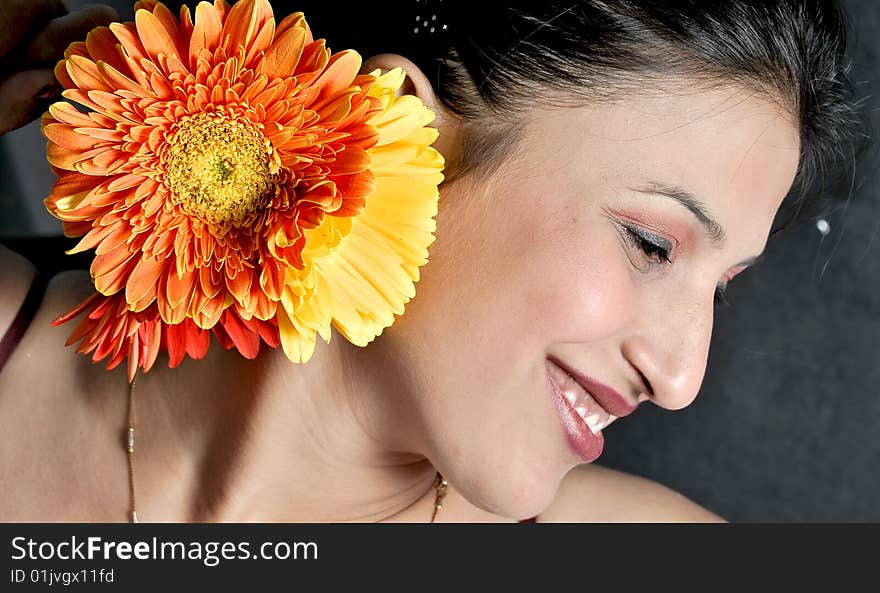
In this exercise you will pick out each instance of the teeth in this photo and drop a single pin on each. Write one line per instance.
(573, 393)
(594, 422)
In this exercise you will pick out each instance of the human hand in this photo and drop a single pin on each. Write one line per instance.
(35, 35)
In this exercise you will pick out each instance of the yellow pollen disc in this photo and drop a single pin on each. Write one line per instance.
(219, 169)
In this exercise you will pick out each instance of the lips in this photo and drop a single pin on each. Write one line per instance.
(585, 407)
(584, 440)
(590, 411)
(610, 400)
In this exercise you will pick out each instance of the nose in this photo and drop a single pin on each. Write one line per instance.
(670, 347)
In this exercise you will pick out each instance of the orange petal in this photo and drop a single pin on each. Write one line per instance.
(154, 36)
(62, 76)
(222, 8)
(116, 233)
(114, 262)
(145, 5)
(76, 48)
(339, 73)
(351, 207)
(295, 20)
(241, 284)
(210, 280)
(351, 160)
(68, 114)
(85, 74)
(178, 290)
(206, 311)
(166, 18)
(69, 184)
(260, 305)
(272, 279)
(124, 182)
(128, 37)
(260, 43)
(101, 134)
(315, 57)
(101, 44)
(81, 97)
(244, 22)
(268, 331)
(143, 281)
(206, 34)
(359, 185)
(115, 77)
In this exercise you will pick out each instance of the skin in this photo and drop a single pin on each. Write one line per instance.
(530, 263)
(35, 35)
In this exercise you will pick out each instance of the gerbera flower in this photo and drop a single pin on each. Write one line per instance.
(226, 165)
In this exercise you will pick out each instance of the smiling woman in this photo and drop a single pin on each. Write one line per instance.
(610, 167)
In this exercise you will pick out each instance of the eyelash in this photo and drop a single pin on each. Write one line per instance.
(652, 250)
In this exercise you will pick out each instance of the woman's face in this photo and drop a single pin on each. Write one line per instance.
(562, 255)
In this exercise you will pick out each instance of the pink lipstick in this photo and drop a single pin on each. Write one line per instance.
(582, 417)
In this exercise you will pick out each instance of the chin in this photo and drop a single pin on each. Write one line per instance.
(518, 493)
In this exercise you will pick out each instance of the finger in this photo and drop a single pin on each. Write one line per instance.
(49, 44)
(19, 19)
(24, 96)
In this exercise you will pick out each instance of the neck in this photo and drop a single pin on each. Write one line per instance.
(332, 440)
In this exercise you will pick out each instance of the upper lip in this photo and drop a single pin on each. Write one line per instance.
(613, 402)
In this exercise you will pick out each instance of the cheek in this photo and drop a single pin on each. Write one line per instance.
(543, 269)
(574, 283)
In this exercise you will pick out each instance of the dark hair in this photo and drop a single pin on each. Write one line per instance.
(496, 59)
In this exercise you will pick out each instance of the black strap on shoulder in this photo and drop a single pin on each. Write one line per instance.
(23, 318)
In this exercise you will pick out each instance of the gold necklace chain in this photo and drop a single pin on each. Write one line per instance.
(439, 486)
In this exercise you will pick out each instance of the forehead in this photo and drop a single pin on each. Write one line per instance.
(735, 149)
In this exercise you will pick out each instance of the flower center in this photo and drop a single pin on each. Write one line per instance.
(220, 169)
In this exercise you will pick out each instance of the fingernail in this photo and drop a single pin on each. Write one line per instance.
(48, 91)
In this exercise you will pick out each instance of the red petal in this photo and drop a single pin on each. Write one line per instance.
(197, 340)
(90, 301)
(175, 341)
(247, 342)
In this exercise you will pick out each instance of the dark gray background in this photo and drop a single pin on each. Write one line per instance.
(786, 426)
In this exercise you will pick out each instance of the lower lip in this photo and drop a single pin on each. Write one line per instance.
(586, 445)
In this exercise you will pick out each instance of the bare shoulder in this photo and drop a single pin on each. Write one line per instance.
(596, 494)
(17, 274)
(53, 412)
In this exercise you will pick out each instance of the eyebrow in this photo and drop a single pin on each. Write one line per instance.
(697, 207)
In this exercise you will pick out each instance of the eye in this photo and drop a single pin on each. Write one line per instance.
(653, 247)
(721, 289)
(658, 251)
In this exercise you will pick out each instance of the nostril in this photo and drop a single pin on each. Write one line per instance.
(649, 390)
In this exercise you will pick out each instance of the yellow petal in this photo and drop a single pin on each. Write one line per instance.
(366, 270)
